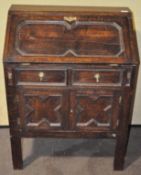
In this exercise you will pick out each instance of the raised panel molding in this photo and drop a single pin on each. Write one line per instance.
(70, 72)
(43, 111)
(64, 33)
(90, 114)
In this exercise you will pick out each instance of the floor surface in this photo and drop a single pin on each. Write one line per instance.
(70, 156)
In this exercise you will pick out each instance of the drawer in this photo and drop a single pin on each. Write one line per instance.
(34, 76)
(97, 77)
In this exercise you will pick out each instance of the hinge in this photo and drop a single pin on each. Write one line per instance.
(17, 99)
(117, 123)
(10, 78)
(120, 99)
(113, 64)
(124, 11)
(10, 75)
(18, 121)
(25, 64)
(129, 75)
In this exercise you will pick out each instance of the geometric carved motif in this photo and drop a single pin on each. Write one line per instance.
(43, 111)
(58, 38)
(94, 111)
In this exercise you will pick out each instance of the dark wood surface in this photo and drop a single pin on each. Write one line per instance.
(69, 37)
(41, 8)
(70, 72)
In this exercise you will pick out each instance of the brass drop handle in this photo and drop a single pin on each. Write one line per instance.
(71, 110)
(41, 75)
(129, 75)
(10, 75)
(97, 77)
(70, 19)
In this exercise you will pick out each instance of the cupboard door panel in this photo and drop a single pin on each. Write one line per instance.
(43, 109)
(96, 109)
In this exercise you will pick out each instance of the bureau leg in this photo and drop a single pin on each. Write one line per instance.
(123, 131)
(16, 148)
(120, 152)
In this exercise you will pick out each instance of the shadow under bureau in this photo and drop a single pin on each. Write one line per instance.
(70, 72)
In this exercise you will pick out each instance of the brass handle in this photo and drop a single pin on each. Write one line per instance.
(120, 99)
(97, 77)
(41, 75)
(70, 18)
(71, 110)
(10, 75)
(114, 135)
(129, 75)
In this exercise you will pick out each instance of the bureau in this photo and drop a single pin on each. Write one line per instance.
(70, 72)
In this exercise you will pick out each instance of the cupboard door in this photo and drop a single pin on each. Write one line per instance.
(95, 109)
(43, 109)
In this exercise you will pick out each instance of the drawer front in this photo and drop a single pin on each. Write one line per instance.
(95, 109)
(97, 77)
(42, 109)
(43, 76)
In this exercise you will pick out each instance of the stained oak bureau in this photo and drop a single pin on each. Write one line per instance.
(70, 72)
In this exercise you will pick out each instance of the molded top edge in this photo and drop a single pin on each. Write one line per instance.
(96, 9)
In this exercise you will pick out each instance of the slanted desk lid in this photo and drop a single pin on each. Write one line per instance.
(70, 36)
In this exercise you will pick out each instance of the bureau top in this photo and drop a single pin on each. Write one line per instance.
(60, 34)
(100, 10)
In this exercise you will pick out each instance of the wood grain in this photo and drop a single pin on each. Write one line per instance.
(70, 72)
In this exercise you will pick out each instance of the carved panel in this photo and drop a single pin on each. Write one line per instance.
(43, 110)
(63, 38)
(96, 110)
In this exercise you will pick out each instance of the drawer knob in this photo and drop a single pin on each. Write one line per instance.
(97, 77)
(41, 75)
(70, 19)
